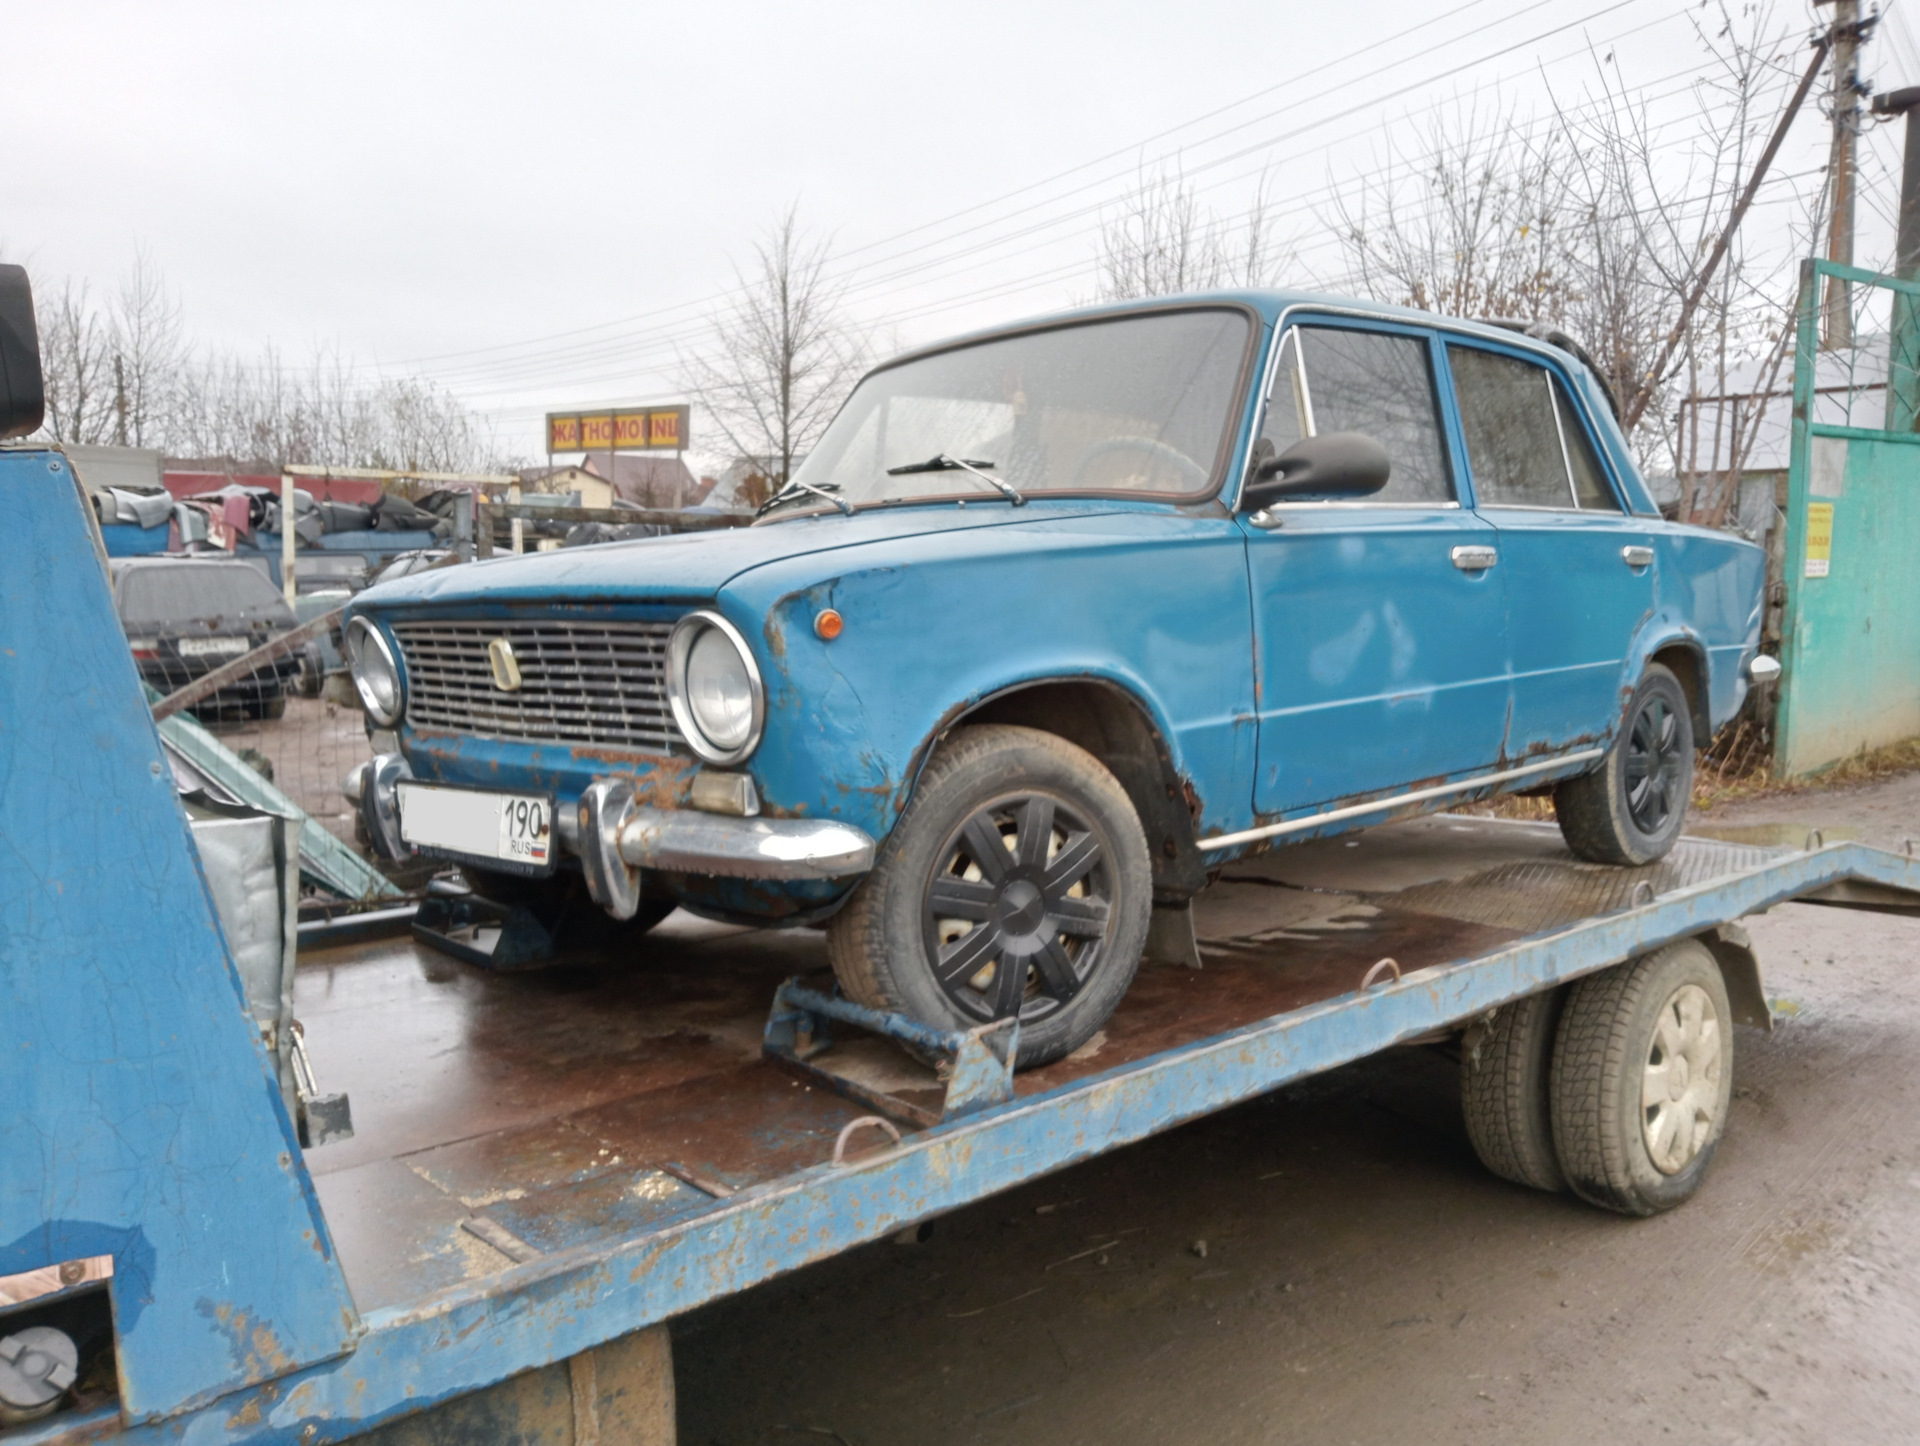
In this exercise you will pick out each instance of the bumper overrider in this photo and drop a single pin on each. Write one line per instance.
(616, 838)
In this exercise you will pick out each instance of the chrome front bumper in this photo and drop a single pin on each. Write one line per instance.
(614, 838)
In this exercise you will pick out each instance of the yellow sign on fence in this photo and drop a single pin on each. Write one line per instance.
(639, 430)
(1819, 538)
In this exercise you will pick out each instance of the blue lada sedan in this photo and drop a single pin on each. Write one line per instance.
(1058, 619)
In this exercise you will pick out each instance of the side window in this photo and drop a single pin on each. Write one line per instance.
(1513, 436)
(1332, 379)
(1287, 405)
(1525, 441)
(1590, 487)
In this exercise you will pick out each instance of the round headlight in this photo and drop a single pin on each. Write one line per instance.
(375, 673)
(714, 688)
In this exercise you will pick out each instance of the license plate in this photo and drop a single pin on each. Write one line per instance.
(212, 647)
(509, 828)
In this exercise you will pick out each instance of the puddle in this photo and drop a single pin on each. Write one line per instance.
(1773, 835)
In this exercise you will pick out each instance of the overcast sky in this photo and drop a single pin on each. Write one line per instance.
(536, 203)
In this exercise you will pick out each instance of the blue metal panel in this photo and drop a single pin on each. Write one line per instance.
(142, 1118)
(475, 1334)
(1576, 610)
(1381, 663)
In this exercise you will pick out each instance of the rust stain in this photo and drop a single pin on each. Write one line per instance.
(257, 1351)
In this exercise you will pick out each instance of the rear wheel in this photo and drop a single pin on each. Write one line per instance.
(1642, 1077)
(1631, 809)
(1016, 882)
(1505, 1070)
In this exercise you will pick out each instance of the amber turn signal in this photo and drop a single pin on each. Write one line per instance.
(827, 623)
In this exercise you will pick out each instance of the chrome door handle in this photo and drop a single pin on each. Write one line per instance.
(1474, 559)
(1637, 556)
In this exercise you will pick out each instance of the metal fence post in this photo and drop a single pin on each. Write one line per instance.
(464, 517)
(286, 536)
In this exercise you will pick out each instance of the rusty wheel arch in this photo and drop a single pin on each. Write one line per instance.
(1114, 726)
(1687, 660)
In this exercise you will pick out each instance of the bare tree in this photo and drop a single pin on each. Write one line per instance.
(148, 354)
(75, 348)
(781, 356)
(1159, 241)
(1470, 224)
(1594, 223)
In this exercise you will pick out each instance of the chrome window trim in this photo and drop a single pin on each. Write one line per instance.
(1282, 329)
(679, 650)
(1560, 431)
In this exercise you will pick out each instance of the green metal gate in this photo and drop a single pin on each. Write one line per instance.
(1851, 630)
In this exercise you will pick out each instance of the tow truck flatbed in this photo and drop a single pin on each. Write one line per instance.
(549, 1161)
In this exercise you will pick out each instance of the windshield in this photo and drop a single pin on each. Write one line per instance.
(222, 595)
(1135, 405)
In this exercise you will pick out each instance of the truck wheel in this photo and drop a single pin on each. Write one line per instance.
(1505, 1070)
(1631, 808)
(1642, 1075)
(1016, 882)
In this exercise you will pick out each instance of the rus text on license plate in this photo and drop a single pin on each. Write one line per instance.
(515, 827)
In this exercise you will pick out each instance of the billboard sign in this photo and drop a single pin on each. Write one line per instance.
(639, 429)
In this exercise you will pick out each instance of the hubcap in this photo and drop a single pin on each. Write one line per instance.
(1680, 1092)
(1017, 909)
(1653, 766)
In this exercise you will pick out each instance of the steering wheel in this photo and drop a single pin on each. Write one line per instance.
(1196, 475)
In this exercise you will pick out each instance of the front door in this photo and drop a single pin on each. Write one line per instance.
(1579, 569)
(1380, 628)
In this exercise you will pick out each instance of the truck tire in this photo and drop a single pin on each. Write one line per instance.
(1642, 1076)
(1506, 1070)
(1016, 881)
(1630, 809)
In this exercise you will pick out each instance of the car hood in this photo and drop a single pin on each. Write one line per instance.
(693, 566)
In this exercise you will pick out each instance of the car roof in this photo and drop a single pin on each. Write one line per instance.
(1268, 305)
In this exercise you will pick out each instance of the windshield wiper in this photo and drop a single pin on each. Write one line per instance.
(943, 463)
(796, 488)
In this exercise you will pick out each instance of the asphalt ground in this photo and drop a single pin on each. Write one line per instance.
(1332, 1264)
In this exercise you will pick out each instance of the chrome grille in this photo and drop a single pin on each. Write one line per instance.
(602, 683)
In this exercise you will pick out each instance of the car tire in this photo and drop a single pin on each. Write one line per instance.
(1630, 810)
(1506, 1070)
(1642, 1078)
(930, 931)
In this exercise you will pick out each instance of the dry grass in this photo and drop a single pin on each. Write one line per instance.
(1738, 767)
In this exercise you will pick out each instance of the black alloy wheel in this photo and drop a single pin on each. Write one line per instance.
(1015, 915)
(1654, 763)
(1632, 807)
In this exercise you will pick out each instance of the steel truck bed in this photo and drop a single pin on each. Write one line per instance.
(547, 1161)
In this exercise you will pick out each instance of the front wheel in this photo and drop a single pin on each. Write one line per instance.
(1016, 882)
(1630, 810)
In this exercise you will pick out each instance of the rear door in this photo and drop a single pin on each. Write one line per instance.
(1579, 570)
(1380, 632)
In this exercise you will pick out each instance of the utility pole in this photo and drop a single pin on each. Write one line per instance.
(1836, 318)
(1903, 376)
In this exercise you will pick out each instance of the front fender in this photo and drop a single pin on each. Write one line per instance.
(1152, 605)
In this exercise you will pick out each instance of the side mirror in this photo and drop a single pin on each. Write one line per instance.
(1334, 464)
(23, 394)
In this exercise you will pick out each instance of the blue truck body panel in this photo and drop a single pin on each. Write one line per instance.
(143, 1119)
